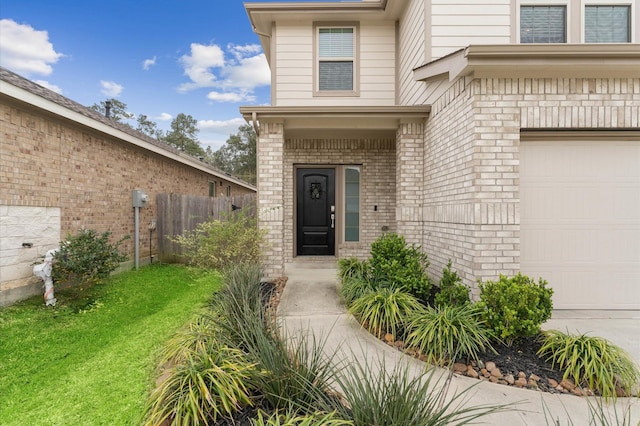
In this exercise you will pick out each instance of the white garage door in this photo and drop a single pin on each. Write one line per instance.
(580, 220)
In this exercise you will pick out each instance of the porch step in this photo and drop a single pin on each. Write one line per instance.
(315, 266)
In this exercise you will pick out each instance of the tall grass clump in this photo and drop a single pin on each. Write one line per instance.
(295, 373)
(292, 419)
(385, 310)
(202, 387)
(352, 267)
(444, 334)
(591, 361)
(378, 395)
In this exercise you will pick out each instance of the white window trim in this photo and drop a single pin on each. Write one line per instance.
(632, 11)
(356, 62)
(568, 11)
(343, 230)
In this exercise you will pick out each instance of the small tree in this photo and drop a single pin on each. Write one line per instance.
(87, 257)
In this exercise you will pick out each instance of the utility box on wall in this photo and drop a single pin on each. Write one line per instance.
(139, 198)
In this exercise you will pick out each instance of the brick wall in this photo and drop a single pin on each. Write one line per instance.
(472, 198)
(88, 176)
(377, 185)
(277, 159)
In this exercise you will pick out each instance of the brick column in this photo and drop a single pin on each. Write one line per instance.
(410, 179)
(271, 195)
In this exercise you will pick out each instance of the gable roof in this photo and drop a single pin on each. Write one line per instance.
(14, 86)
(263, 15)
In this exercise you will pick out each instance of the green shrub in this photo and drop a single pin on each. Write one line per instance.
(86, 258)
(591, 361)
(385, 310)
(515, 307)
(376, 394)
(405, 265)
(219, 243)
(203, 387)
(352, 267)
(447, 333)
(452, 292)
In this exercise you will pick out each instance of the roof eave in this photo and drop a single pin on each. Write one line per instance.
(536, 60)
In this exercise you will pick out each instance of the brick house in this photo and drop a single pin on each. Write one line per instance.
(504, 135)
(64, 167)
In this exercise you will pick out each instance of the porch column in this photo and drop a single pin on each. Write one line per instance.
(410, 179)
(271, 195)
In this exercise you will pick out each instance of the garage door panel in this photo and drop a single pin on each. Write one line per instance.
(580, 221)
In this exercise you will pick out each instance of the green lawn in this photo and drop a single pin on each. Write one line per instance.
(91, 360)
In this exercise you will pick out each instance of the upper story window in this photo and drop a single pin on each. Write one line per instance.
(336, 60)
(212, 188)
(607, 24)
(543, 24)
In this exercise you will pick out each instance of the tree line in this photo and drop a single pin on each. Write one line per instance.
(236, 156)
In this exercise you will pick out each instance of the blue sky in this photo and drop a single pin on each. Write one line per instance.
(161, 58)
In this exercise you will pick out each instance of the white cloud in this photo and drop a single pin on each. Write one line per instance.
(240, 52)
(215, 133)
(226, 127)
(226, 97)
(110, 88)
(49, 86)
(165, 116)
(197, 65)
(235, 77)
(26, 50)
(248, 73)
(148, 63)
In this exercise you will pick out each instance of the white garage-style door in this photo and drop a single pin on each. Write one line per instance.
(580, 220)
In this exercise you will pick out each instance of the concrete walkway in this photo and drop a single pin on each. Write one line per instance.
(310, 303)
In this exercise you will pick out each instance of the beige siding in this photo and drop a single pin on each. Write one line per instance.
(294, 62)
(459, 23)
(412, 53)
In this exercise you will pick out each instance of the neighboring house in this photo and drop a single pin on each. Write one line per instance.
(503, 135)
(64, 167)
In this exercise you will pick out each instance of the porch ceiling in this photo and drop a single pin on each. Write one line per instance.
(318, 122)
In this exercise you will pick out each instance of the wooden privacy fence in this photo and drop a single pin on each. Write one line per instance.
(181, 213)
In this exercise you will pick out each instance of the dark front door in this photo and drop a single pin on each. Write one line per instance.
(316, 212)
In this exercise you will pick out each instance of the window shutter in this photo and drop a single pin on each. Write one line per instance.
(606, 24)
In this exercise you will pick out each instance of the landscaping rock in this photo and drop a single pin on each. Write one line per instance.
(567, 384)
(521, 382)
(459, 368)
(471, 372)
(496, 373)
(490, 366)
(510, 379)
